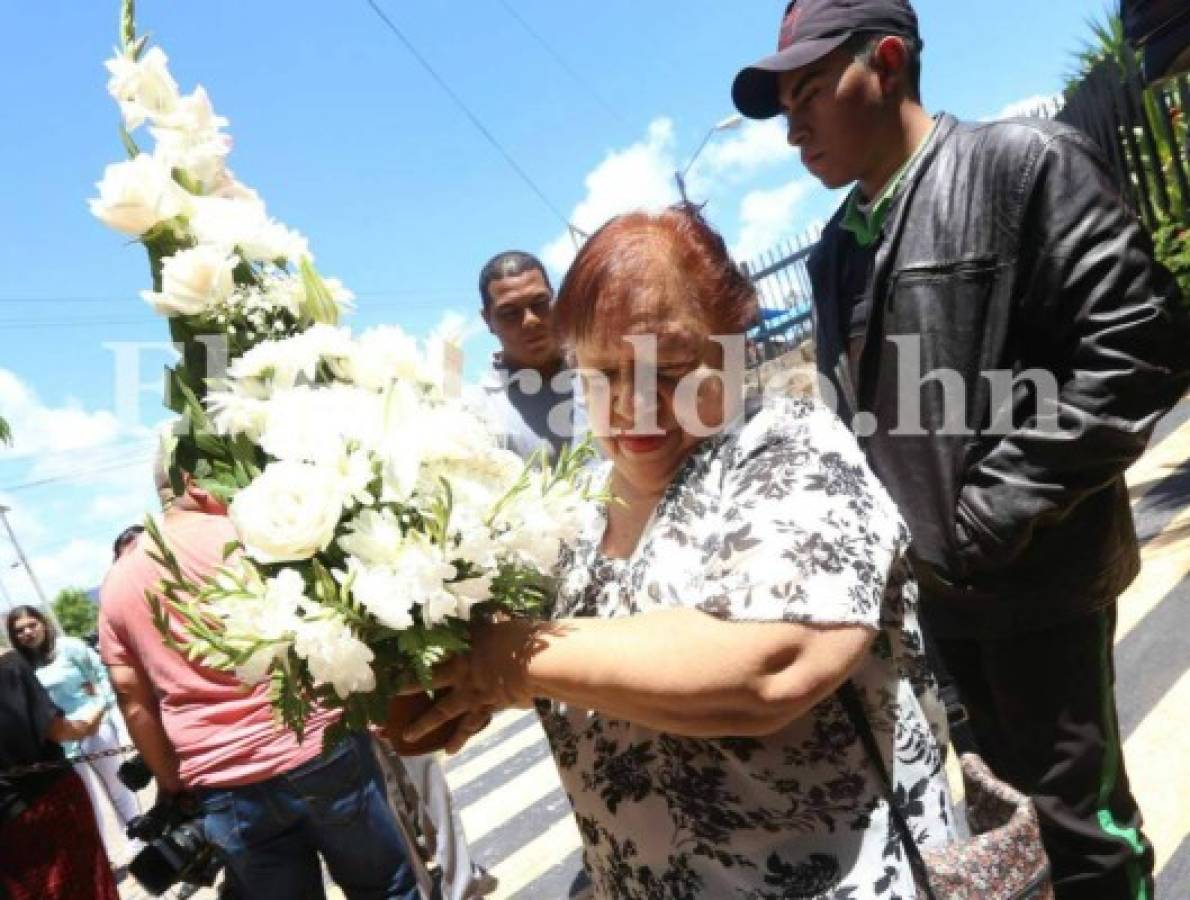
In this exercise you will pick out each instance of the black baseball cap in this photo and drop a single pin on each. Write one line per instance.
(810, 29)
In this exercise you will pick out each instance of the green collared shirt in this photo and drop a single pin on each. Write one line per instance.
(866, 224)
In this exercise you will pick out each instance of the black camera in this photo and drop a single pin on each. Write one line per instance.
(176, 847)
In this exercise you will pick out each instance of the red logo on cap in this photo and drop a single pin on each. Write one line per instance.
(788, 27)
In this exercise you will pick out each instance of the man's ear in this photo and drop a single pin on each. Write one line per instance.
(890, 61)
(486, 314)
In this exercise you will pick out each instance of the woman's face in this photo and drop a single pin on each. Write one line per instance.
(29, 631)
(652, 387)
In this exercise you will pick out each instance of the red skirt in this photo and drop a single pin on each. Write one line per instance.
(53, 851)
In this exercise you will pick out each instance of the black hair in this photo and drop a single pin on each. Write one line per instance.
(41, 655)
(124, 538)
(863, 47)
(509, 264)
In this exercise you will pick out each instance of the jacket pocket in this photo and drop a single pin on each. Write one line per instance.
(943, 317)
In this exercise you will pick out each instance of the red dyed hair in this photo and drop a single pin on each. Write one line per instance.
(674, 253)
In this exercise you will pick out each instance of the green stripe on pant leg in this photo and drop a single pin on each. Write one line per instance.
(1139, 887)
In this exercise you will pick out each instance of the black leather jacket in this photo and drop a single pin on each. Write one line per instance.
(1010, 249)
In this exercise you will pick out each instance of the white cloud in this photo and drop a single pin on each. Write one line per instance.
(768, 216)
(755, 148)
(1027, 106)
(78, 563)
(38, 428)
(638, 177)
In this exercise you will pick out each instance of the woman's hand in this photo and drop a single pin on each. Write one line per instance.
(490, 677)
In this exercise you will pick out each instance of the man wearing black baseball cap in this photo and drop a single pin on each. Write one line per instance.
(989, 318)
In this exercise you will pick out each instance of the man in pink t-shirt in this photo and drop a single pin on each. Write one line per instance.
(271, 803)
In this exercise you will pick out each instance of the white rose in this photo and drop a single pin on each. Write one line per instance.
(289, 512)
(335, 656)
(143, 88)
(189, 138)
(136, 195)
(382, 593)
(193, 281)
(243, 223)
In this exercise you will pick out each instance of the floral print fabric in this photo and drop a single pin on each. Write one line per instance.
(777, 519)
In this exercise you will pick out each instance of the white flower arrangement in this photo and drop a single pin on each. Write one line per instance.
(376, 515)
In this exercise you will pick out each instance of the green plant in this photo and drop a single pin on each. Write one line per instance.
(5, 433)
(76, 612)
(1171, 245)
(1107, 41)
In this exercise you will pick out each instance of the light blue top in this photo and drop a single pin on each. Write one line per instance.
(66, 676)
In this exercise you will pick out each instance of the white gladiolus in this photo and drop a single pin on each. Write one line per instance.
(374, 537)
(243, 223)
(234, 410)
(400, 446)
(471, 592)
(267, 612)
(279, 365)
(535, 525)
(316, 424)
(423, 572)
(380, 356)
(289, 512)
(381, 592)
(137, 195)
(143, 88)
(189, 138)
(193, 281)
(335, 655)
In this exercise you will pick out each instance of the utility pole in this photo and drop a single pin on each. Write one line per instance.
(45, 603)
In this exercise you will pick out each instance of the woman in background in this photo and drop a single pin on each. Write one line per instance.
(49, 845)
(77, 683)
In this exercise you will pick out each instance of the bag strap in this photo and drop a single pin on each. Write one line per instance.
(962, 735)
(859, 721)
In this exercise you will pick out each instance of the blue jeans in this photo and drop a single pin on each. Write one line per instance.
(271, 833)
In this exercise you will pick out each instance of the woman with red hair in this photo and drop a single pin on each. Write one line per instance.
(749, 576)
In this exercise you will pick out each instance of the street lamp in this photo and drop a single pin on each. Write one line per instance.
(726, 125)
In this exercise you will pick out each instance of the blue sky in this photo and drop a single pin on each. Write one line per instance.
(351, 142)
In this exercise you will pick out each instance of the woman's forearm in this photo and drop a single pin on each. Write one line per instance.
(684, 672)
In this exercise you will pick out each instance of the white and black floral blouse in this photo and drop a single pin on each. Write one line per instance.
(777, 519)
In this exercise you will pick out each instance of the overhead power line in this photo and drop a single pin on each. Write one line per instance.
(561, 61)
(471, 116)
(76, 476)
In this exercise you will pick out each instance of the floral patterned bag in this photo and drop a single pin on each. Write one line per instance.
(1002, 860)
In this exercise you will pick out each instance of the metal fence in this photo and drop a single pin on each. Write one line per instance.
(784, 295)
(1142, 133)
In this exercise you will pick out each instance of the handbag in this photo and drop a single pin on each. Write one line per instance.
(1002, 860)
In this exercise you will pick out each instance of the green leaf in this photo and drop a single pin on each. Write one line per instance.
(318, 305)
